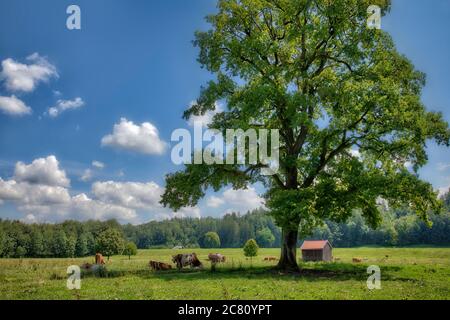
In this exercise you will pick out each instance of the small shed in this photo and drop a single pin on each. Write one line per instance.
(318, 250)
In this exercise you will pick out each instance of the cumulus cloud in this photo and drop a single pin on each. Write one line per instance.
(41, 192)
(98, 164)
(83, 207)
(243, 200)
(142, 138)
(129, 194)
(87, 175)
(43, 171)
(28, 194)
(13, 106)
(237, 200)
(214, 202)
(53, 203)
(64, 105)
(26, 76)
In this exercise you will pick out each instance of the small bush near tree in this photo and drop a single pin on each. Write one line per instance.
(251, 248)
(130, 249)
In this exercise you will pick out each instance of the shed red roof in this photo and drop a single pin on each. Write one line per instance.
(314, 245)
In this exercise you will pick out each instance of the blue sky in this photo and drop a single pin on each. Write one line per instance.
(133, 68)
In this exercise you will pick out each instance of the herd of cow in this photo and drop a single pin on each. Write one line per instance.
(181, 260)
(187, 259)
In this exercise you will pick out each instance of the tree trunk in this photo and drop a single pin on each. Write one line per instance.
(288, 259)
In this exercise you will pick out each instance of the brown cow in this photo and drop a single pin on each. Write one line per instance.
(183, 260)
(86, 266)
(216, 257)
(270, 259)
(91, 268)
(99, 258)
(357, 260)
(155, 265)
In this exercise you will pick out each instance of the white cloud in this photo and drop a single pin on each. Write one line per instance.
(13, 106)
(82, 207)
(87, 175)
(98, 164)
(51, 204)
(243, 200)
(43, 195)
(207, 118)
(64, 105)
(142, 138)
(43, 171)
(25, 77)
(188, 212)
(237, 200)
(214, 202)
(28, 194)
(129, 194)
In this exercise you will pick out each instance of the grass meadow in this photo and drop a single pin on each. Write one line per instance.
(406, 273)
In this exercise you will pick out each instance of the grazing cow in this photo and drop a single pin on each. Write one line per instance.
(159, 266)
(91, 268)
(357, 260)
(183, 260)
(216, 258)
(99, 258)
(270, 259)
(86, 266)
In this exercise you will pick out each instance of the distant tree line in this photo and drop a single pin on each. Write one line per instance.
(79, 239)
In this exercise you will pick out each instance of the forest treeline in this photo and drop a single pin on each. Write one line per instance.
(77, 239)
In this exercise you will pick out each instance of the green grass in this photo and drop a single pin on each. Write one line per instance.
(407, 273)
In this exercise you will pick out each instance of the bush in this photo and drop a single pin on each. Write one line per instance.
(130, 249)
(251, 248)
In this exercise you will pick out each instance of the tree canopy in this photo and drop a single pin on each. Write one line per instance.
(347, 105)
(110, 242)
(211, 240)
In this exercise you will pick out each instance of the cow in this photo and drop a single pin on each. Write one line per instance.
(91, 268)
(159, 266)
(86, 266)
(216, 258)
(183, 260)
(99, 259)
(357, 260)
(270, 259)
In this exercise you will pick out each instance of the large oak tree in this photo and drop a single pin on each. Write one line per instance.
(347, 104)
